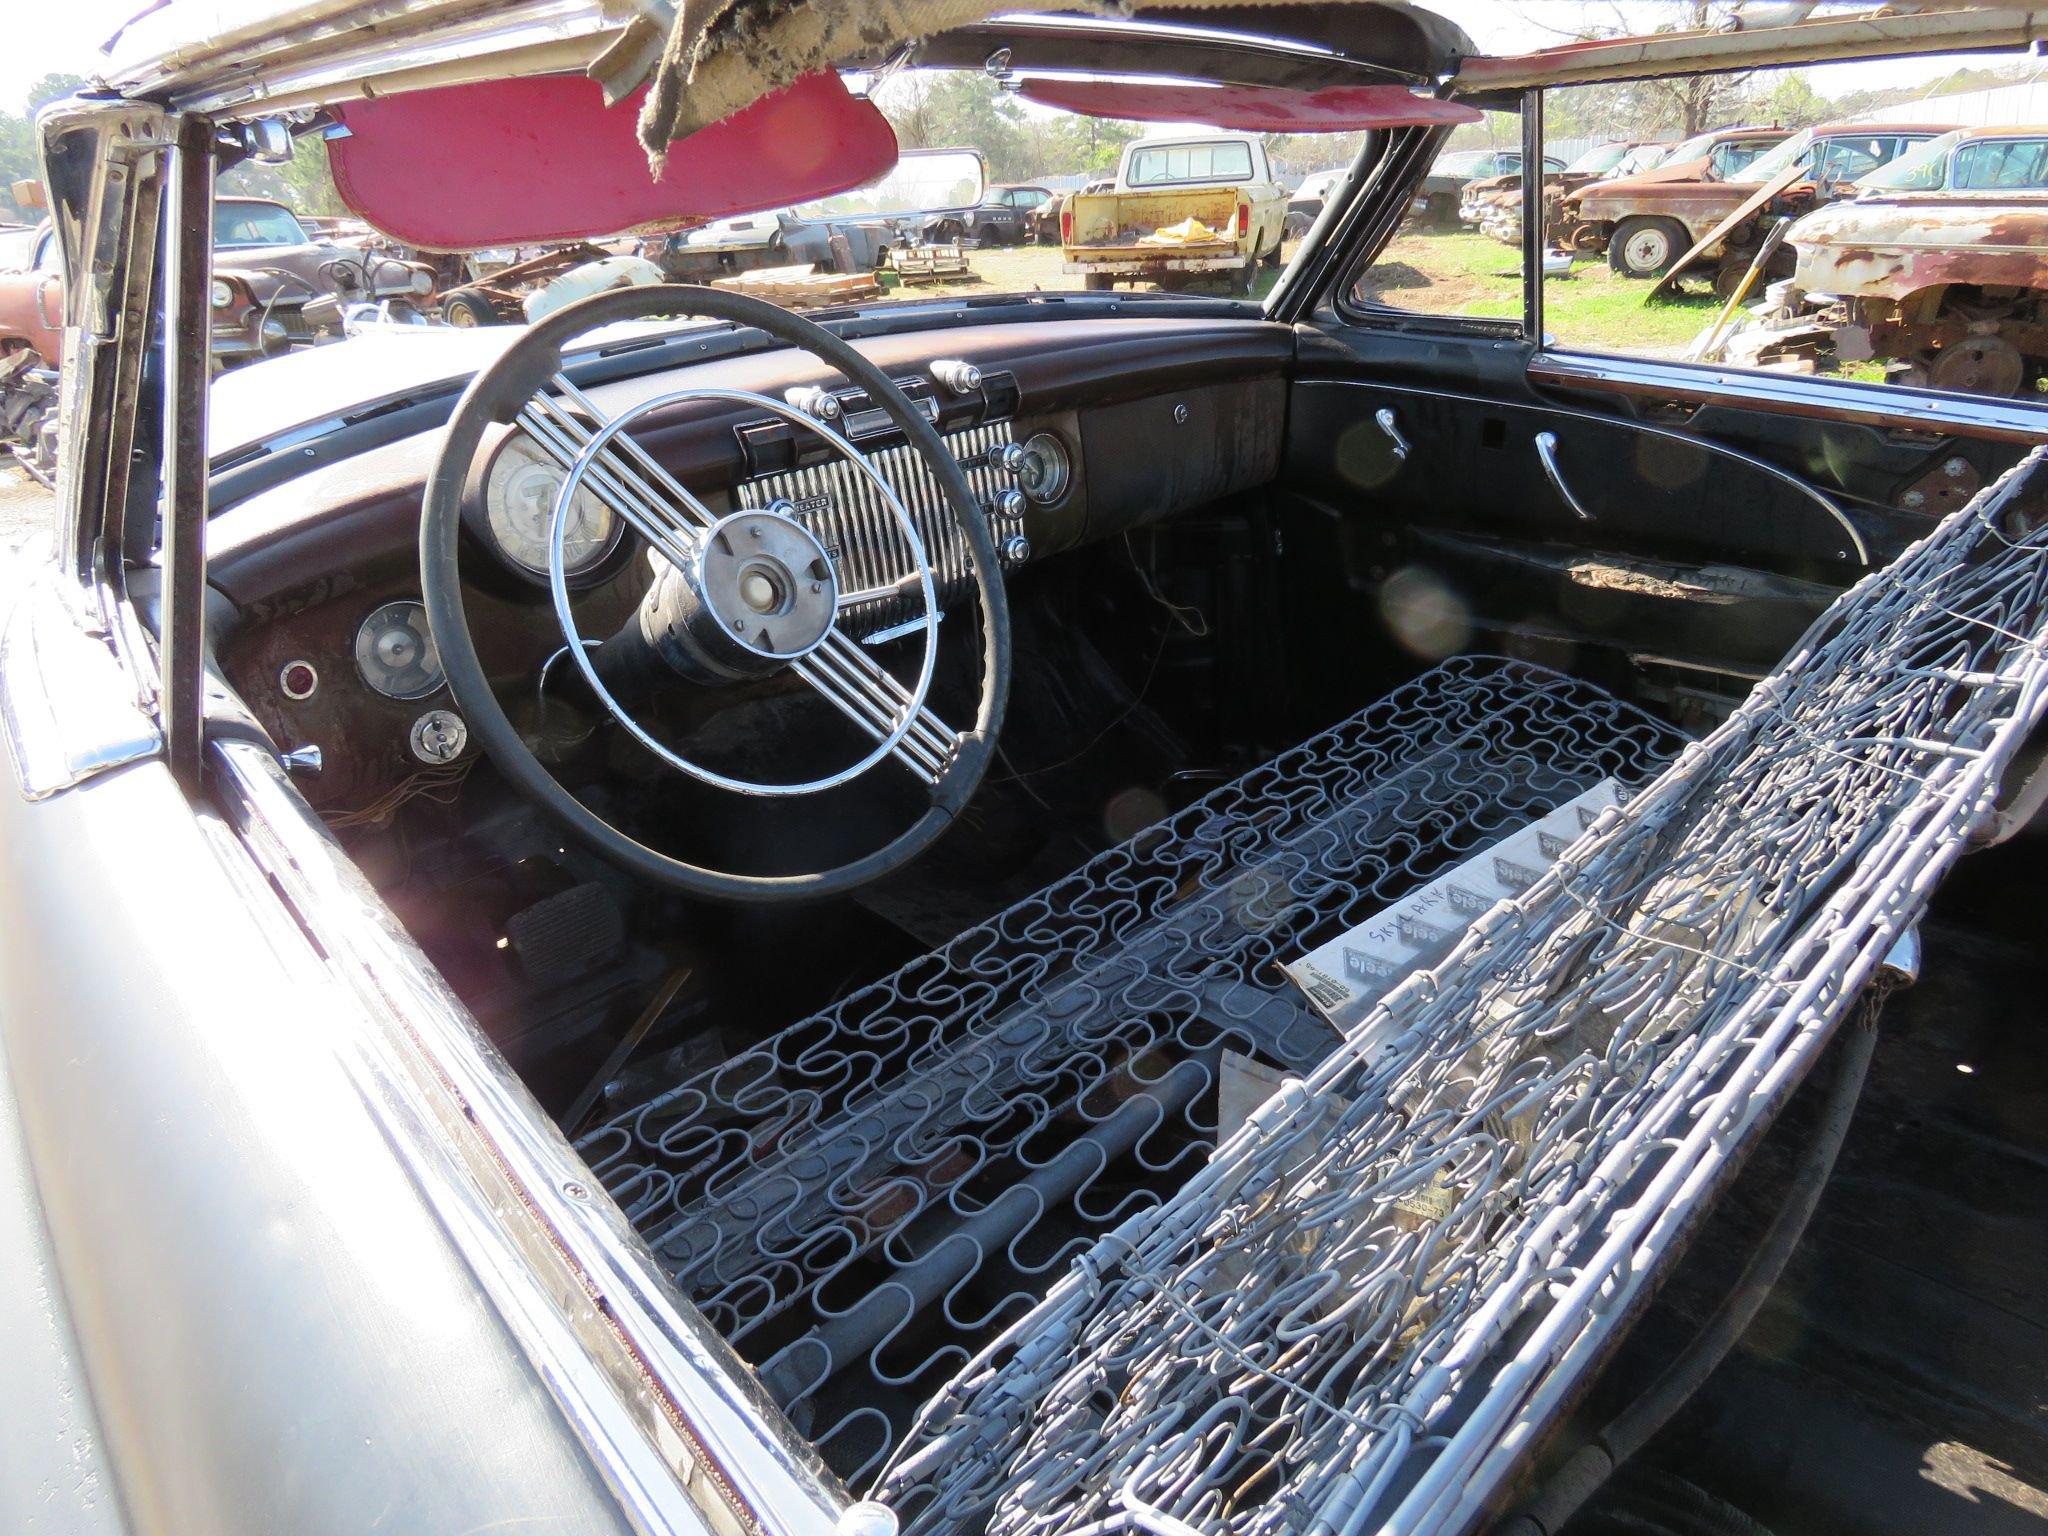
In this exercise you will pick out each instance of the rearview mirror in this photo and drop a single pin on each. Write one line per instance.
(923, 181)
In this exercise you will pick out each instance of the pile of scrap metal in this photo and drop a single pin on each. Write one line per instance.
(536, 286)
(1938, 270)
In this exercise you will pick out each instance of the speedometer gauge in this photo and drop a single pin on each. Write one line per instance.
(395, 652)
(519, 510)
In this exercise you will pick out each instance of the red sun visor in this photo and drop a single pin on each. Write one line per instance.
(524, 161)
(1253, 108)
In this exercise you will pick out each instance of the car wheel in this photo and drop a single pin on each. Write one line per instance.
(465, 310)
(1646, 247)
(1979, 365)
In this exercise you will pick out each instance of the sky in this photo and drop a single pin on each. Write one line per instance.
(62, 36)
(66, 34)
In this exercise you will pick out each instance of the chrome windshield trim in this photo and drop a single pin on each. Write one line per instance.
(68, 710)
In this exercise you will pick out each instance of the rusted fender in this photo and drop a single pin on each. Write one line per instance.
(1893, 248)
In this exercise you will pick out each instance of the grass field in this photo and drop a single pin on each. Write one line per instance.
(1437, 274)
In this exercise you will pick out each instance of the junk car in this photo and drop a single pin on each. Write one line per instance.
(1941, 261)
(1649, 224)
(1061, 912)
(1443, 190)
(1494, 204)
(1004, 216)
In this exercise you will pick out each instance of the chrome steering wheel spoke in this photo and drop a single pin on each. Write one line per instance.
(737, 597)
(869, 695)
(745, 571)
(622, 474)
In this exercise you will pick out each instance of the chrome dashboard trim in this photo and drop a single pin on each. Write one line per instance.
(677, 1425)
(847, 515)
(1887, 406)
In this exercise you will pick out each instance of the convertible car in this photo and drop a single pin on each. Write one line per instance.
(1054, 914)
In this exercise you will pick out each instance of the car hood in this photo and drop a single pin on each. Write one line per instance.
(1692, 172)
(282, 271)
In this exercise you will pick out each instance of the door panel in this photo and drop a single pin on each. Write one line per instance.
(1477, 464)
(1723, 518)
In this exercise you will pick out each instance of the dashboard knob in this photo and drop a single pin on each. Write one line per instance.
(960, 377)
(816, 403)
(439, 736)
(1016, 549)
(1012, 458)
(1011, 503)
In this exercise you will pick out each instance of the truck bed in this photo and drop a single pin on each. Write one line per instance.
(1108, 231)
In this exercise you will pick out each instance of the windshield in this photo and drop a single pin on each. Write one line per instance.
(1644, 157)
(1604, 158)
(1919, 169)
(255, 224)
(1463, 161)
(1772, 161)
(922, 182)
(1694, 148)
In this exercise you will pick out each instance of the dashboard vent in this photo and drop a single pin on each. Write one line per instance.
(862, 535)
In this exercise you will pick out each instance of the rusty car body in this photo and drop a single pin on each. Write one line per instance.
(1439, 198)
(1493, 204)
(280, 286)
(1648, 223)
(1659, 208)
(1014, 913)
(1941, 262)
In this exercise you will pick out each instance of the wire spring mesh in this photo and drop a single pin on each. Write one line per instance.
(863, 1200)
(1370, 1302)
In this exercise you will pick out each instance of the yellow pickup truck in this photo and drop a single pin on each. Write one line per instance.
(1183, 210)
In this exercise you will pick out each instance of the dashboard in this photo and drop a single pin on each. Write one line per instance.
(1070, 432)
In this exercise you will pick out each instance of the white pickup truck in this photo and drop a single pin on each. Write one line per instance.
(1184, 209)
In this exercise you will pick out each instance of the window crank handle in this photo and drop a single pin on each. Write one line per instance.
(1546, 450)
(1384, 416)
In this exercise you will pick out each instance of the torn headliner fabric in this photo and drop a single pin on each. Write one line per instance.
(723, 54)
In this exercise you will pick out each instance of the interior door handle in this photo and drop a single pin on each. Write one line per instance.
(1388, 424)
(1546, 450)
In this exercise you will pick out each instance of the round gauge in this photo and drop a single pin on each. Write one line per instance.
(519, 510)
(395, 652)
(1046, 469)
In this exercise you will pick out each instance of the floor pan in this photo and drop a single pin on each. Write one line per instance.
(865, 1199)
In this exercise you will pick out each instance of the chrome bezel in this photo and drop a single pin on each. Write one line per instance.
(300, 695)
(580, 574)
(366, 670)
(1051, 448)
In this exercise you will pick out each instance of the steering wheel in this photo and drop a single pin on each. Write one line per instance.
(735, 598)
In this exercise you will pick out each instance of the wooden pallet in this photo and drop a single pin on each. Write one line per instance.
(930, 264)
(800, 287)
